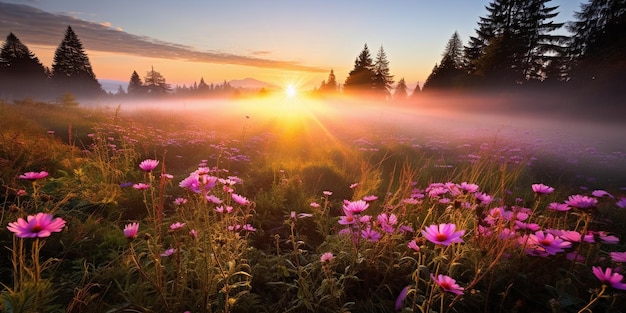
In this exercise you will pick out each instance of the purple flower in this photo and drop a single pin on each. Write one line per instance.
(168, 252)
(40, 225)
(542, 189)
(370, 234)
(483, 198)
(413, 245)
(601, 193)
(609, 277)
(34, 175)
(448, 284)
(213, 199)
(618, 256)
(443, 234)
(469, 188)
(560, 207)
(326, 257)
(581, 202)
(130, 230)
(148, 164)
(403, 293)
(544, 244)
(621, 203)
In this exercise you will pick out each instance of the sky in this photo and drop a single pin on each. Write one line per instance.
(278, 41)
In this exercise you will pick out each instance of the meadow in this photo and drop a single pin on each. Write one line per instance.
(295, 205)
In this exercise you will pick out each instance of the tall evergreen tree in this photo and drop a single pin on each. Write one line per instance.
(135, 85)
(514, 42)
(71, 69)
(361, 76)
(330, 85)
(598, 47)
(21, 73)
(155, 83)
(400, 92)
(450, 72)
(383, 80)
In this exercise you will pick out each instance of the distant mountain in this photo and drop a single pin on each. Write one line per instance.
(251, 83)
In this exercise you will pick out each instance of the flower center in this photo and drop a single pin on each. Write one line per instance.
(36, 228)
(441, 237)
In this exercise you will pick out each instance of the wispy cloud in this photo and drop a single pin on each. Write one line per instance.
(37, 27)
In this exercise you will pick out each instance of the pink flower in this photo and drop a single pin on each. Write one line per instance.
(130, 230)
(40, 225)
(581, 202)
(314, 205)
(180, 201)
(326, 257)
(621, 203)
(177, 226)
(443, 234)
(560, 207)
(193, 233)
(448, 284)
(141, 186)
(483, 198)
(34, 175)
(354, 185)
(601, 193)
(224, 209)
(608, 277)
(327, 193)
(248, 227)
(168, 252)
(413, 245)
(469, 188)
(213, 199)
(148, 164)
(239, 199)
(618, 256)
(355, 207)
(370, 198)
(542, 189)
(544, 244)
(347, 219)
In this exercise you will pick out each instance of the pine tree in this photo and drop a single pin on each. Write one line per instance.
(135, 85)
(21, 73)
(383, 80)
(361, 77)
(400, 92)
(71, 69)
(155, 83)
(417, 90)
(598, 47)
(450, 72)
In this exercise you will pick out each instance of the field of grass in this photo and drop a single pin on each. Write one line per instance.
(310, 208)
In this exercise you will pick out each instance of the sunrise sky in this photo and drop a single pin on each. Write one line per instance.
(273, 41)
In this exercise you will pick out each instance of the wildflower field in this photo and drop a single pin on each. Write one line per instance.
(107, 209)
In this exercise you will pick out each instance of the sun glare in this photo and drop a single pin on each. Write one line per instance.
(291, 90)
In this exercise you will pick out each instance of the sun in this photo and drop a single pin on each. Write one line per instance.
(291, 90)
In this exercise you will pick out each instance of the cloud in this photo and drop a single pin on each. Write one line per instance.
(34, 26)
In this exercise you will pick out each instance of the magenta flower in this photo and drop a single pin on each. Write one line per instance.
(483, 198)
(618, 256)
(448, 284)
(621, 203)
(544, 244)
(601, 193)
(413, 245)
(168, 252)
(326, 257)
(180, 201)
(609, 277)
(327, 193)
(130, 230)
(370, 198)
(314, 205)
(40, 225)
(542, 189)
(224, 209)
(34, 175)
(347, 219)
(469, 188)
(239, 199)
(193, 233)
(443, 234)
(581, 202)
(213, 199)
(148, 164)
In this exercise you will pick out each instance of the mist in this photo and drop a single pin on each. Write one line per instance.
(550, 130)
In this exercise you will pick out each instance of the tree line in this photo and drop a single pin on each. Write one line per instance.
(517, 45)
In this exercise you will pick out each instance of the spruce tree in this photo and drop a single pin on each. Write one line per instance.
(450, 72)
(330, 85)
(514, 42)
(21, 73)
(400, 92)
(598, 46)
(155, 83)
(135, 85)
(362, 75)
(383, 80)
(71, 69)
